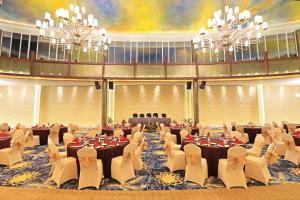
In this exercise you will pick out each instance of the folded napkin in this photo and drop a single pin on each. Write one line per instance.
(220, 142)
(203, 141)
(123, 139)
(76, 140)
(96, 143)
(297, 133)
(113, 143)
(237, 141)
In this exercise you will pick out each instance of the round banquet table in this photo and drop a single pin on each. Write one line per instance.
(176, 131)
(110, 131)
(297, 139)
(104, 153)
(252, 132)
(4, 141)
(211, 153)
(43, 133)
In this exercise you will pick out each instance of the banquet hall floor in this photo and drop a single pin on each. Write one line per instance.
(33, 172)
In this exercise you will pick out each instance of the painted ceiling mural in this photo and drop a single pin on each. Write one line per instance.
(152, 15)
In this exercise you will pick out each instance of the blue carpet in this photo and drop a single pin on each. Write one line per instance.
(34, 172)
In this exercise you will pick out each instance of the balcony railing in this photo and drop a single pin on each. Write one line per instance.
(82, 70)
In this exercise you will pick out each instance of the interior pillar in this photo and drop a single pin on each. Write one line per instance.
(37, 104)
(189, 104)
(111, 102)
(196, 102)
(104, 102)
(261, 104)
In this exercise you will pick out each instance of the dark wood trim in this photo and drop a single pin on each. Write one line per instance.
(166, 68)
(69, 62)
(134, 69)
(31, 61)
(104, 102)
(196, 101)
(230, 58)
(266, 63)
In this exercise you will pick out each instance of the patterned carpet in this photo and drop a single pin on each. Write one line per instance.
(34, 172)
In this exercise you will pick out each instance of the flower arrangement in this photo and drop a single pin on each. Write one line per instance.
(188, 122)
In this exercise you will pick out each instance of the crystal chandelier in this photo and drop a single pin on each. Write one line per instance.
(230, 29)
(73, 28)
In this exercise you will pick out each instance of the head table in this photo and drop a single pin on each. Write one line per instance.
(5, 140)
(149, 121)
(107, 148)
(44, 132)
(212, 149)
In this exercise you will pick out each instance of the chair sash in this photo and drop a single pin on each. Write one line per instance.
(259, 144)
(192, 158)
(290, 145)
(86, 160)
(270, 157)
(144, 146)
(16, 146)
(168, 150)
(127, 157)
(53, 156)
(234, 162)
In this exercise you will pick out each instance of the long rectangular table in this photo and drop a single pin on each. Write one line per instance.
(149, 121)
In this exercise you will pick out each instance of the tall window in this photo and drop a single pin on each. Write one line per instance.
(6, 40)
(24, 46)
(15, 45)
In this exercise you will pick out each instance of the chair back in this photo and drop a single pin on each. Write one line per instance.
(17, 144)
(20, 126)
(259, 141)
(168, 136)
(164, 115)
(142, 115)
(155, 114)
(54, 130)
(134, 115)
(53, 153)
(68, 138)
(87, 157)
(136, 137)
(236, 134)
(168, 149)
(128, 153)
(270, 156)
(183, 134)
(193, 154)
(289, 142)
(275, 125)
(40, 125)
(149, 115)
(118, 132)
(4, 127)
(278, 134)
(236, 157)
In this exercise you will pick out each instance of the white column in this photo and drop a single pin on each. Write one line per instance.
(111, 104)
(261, 104)
(37, 104)
(189, 114)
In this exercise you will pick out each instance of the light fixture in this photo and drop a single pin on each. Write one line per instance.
(73, 28)
(229, 29)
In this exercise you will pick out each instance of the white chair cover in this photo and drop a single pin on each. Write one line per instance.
(292, 153)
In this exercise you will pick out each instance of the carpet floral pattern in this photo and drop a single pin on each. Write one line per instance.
(34, 172)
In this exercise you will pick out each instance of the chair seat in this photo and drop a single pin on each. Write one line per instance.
(178, 153)
(63, 154)
(6, 150)
(68, 160)
(117, 159)
(255, 160)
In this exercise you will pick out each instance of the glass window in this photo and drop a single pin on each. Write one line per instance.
(188, 52)
(282, 45)
(172, 52)
(15, 45)
(92, 56)
(165, 51)
(84, 56)
(119, 52)
(246, 54)
(291, 44)
(153, 52)
(75, 54)
(261, 49)
(133, 52)
(111, 50)
(24, 46)
(159, 52)
(6, 44)
(43, 53)
(127, 52)
(53, 48)
(238, 53)
(140, 52)
(61, 53)
(272, 47)
(221, 55)
(253, 48)
(33, 44)
(146, 52)
(180, 52)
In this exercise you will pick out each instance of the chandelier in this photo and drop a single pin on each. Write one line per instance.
(229, 29)
(73, 28)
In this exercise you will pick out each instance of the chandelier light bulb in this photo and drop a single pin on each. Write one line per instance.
(47, 16)
(68, 47)
(38, 24)
(71, 7)
(265, 26)
(76, 9)
(230, 49)
(83, 9)
(236, 10)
